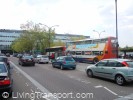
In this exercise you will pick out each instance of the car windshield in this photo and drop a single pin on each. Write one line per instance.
(130, 63)
(3, 59)
(2, 68)
(28, 57)
(69, 59)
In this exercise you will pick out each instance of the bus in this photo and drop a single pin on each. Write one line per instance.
(56, 50)
(92, 50)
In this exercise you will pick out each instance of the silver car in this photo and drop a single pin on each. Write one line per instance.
(42, 59)
(119, 70)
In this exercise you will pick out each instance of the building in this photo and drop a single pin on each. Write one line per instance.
(67, 37)
(8, 36)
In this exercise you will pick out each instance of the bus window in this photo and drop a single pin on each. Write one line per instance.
(78, 52)
(96, 53)
(88, 52)
(101, 52)
(83, 52)
(73, 52)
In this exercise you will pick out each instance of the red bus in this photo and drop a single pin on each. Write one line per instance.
(92, 50)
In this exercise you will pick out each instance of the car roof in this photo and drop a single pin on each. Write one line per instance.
(118, 59)
(3, 57)
(2, 63)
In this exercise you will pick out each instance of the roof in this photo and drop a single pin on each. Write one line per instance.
(93, 39)
(3, 57)
(118, 59)
(2, 62)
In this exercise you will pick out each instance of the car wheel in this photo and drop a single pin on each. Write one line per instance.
(120, 80)
(61, 67)
(22, 64)
(89, 73)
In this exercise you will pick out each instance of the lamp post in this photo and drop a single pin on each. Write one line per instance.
(99, 33)
(49, 29)
(117, 45)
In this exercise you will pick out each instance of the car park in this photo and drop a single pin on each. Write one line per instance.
(63, 62)
(42, 59)
(119, 70)
(6, 81)
(26, 60)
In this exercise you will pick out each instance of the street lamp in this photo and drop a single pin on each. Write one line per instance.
(49, 29)
(117, 45)
(99, 33)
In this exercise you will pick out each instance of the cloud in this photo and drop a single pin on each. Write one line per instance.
(72, 16)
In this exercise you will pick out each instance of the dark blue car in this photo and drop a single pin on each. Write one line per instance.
(63, 62)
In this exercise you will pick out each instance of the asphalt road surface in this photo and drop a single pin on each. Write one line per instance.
(42, 81)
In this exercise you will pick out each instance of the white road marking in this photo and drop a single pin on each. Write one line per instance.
(99, 86)
(43, 89)
(120, 96)
(128, 97)
(110, 91)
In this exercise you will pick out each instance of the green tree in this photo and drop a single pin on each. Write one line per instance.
(34, 37)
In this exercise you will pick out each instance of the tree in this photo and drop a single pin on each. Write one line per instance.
(34, 37)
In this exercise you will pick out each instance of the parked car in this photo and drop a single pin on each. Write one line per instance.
(63, 62)
(5, 60)
(6, 81)
(2, 54)
(119, 70)
(42, 59)
(8, 54)
(26, 60)
(15, 54)
(19, 55)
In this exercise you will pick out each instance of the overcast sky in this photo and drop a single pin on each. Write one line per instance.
(73, 16)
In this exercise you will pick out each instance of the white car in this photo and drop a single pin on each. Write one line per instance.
(42, 59)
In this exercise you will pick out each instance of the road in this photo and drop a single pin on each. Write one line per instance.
(66, 84)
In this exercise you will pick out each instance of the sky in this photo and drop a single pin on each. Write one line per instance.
(80, 17)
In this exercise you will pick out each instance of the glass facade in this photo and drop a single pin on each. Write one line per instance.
(7, 37)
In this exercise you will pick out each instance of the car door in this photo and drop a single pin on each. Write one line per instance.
(110, 69)
(56, 62)
(99, 68)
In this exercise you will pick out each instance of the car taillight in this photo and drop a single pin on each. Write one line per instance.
(6, 81)
(125, 63)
